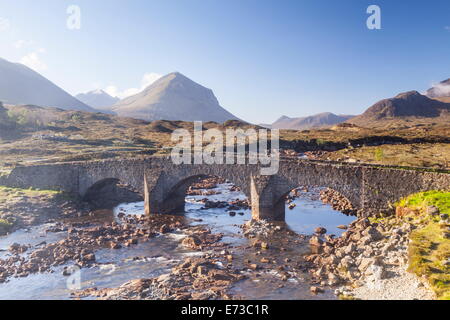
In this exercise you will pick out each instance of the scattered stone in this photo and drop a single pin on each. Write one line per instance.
(315, 241)
(164, 229)
(192, 242)
(320, 230)
(316, 290)
(433, 210)
(115, 246)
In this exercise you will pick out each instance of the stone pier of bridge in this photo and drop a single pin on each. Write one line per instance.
(370, 189)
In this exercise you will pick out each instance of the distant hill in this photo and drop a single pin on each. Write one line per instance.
(440, 90)
(97, 99)
(320, 120)
(20, 85)
(174, 97)
(405, 105)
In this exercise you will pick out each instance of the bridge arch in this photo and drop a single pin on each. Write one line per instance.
(369, 188)
(169, 193)
(269, 193)
(108, 192)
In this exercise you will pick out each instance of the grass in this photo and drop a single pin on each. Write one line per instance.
(431, 155)
(379, 155)
(422, 200)
(8, 194)
(89, 136)
(429, 249)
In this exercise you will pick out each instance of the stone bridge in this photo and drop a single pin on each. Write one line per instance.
(370, 189)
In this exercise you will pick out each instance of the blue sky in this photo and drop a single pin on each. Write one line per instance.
(263, 59)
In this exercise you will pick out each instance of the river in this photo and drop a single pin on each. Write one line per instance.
(160, 254)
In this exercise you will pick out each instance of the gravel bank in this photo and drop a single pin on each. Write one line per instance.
(402, 285)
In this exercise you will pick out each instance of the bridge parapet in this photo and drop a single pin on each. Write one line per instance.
(369, 188)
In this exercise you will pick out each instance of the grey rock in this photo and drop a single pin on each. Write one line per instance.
(373, 234)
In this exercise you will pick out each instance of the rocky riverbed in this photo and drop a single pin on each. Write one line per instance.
(215, 251)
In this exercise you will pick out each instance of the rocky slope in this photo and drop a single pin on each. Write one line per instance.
(98, 99)
(315, 121)
(395, 257)
(21, 85)
(174, 97)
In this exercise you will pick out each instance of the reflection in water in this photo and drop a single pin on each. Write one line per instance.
(160, 254)
(309, 214)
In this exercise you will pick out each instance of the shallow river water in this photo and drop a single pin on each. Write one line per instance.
(160, 254)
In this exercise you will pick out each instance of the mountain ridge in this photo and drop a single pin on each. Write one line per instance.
(405, 105)
(98, 99)
(20, 85)
(323, 119)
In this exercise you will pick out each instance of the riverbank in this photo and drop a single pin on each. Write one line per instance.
(23, 208)
(401, 257)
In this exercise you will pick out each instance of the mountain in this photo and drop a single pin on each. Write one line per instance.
(405, 105)
(440, 90)
(316, 121)
(97, 99)
(21, 85)
(174, 97)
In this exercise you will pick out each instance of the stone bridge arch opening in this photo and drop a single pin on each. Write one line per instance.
(211, 191)
(269, 194)
(110, 192)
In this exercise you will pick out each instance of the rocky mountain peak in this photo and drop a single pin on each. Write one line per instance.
(174, 97)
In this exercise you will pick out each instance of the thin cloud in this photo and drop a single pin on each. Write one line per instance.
(19, 44)
(441, 89)
(4, 24)
(147, 80)
(447, 28)
(34, 61)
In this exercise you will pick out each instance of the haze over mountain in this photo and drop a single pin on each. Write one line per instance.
(21, 85)
(405, 105)
(97, 99)
(174, 97)
(315, 121)
(440, 91)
